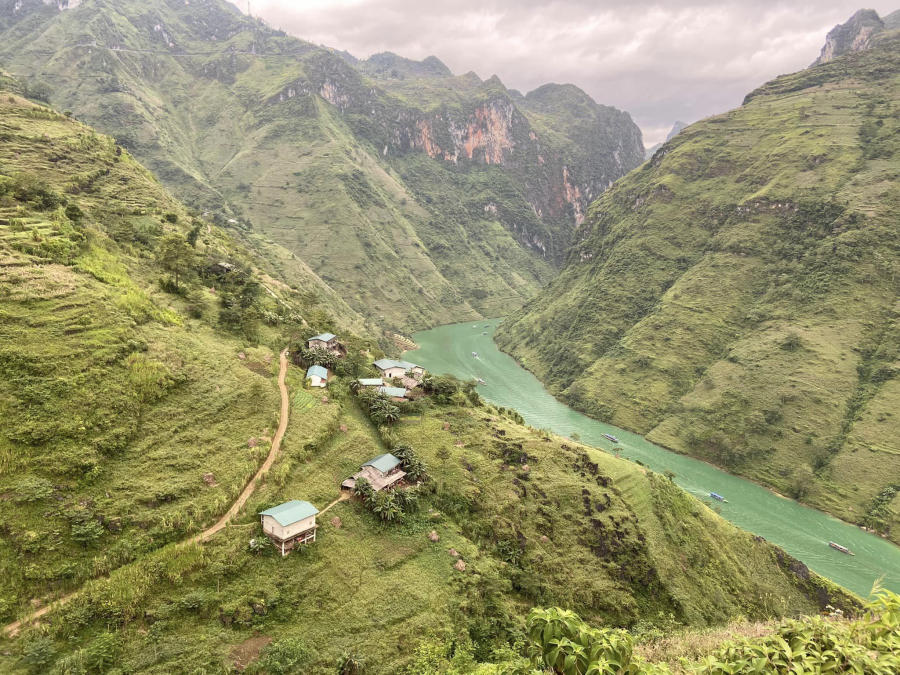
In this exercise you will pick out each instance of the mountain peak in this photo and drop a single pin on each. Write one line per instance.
(853, 36)
(393, 66)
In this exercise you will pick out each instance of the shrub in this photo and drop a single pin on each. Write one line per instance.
(87, 533)
(287, 655)
(32, 489)
(38, 653)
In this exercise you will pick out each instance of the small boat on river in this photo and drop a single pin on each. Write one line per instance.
(718, 497)
(475, 355)
(842, 549)
(610, 437)
(480, 381)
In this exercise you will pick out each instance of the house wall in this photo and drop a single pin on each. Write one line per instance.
(316, 381)
(271, 526)
(393, 372)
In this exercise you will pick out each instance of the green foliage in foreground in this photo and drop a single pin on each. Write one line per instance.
(534, 520)
(735, 298)
(560, 642)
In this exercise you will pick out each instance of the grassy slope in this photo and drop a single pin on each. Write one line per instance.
(735, 298)
(114, 402)
(599, 538)
(213, 127)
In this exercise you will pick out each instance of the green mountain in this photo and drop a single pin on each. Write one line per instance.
(735, 298)
(419, 196)
(136, 347)
(138, 351)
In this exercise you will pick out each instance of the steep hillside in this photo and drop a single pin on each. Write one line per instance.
(421, 197)
(137, 347)
(533, 519)
(736, 297)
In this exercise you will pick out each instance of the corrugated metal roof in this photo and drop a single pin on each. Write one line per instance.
(397, 392)
(384, 463)
(384, 364)
(371, 381)
(317, 371)
(290, 512)
(324, 337)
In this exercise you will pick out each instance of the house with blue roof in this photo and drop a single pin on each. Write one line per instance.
(395, 393)
(290, 524)
(317, 376)
(382, 472)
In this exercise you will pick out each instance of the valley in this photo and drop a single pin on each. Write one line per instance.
(801, 531)
(188, 194)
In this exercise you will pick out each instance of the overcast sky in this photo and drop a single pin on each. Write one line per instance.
(660, 61)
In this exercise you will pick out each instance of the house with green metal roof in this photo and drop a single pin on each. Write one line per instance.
(382, 472)
(290, 524)
(396, 393)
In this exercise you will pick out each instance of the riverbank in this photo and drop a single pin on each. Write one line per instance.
(770, 488)
(800, 530)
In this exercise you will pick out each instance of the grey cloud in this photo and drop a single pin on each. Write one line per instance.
(660, 61)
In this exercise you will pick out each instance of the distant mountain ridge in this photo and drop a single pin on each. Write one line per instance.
(677, 127)
(457, 197)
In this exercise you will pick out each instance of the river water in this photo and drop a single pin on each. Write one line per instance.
(801, 531)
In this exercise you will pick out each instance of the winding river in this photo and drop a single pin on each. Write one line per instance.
(801, 531)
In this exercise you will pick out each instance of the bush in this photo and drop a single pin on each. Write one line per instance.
(288, 655)
(26, 187)
(38, 653)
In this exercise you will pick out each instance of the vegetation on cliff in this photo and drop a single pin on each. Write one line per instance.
(421, 197)
(735, 298)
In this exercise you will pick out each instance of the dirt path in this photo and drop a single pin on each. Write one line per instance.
(264, 469)
(344, 497)
(13, 628)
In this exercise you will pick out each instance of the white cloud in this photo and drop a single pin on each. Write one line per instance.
(661, 61)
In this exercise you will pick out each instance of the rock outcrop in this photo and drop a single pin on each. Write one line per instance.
(853, 36)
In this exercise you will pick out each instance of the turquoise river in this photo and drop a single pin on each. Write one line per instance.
(801, 531)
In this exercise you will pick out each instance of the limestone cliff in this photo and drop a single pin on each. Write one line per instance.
(457, 194)
(853, 36)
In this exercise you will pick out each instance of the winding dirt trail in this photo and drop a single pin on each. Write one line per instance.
(13, 628)
(264, 469)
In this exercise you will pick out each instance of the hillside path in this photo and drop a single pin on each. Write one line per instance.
(264, 469)
(14, 627)
(344, 497)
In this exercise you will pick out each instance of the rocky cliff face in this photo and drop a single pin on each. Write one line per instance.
(853, 36)
(473, 124)
(458, 194)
